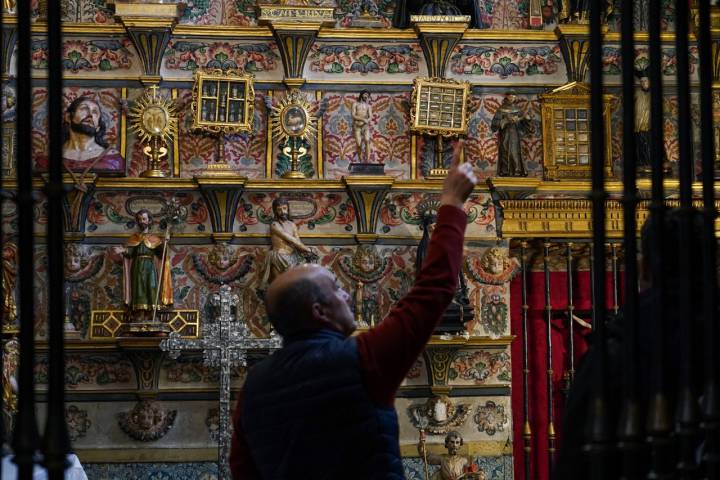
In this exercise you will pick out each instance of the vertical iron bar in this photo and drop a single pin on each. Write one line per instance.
(56, 442)
(614, 266)
(658, 420)
(711, 397)
(527, 431)
(570, 314)
(25, 434)
(630, 427)
(687, 414)
(598, 444)
(548, 361)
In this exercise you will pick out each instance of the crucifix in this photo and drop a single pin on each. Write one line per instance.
(224, 344)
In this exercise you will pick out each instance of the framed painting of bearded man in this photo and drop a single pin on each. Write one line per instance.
(91, 132)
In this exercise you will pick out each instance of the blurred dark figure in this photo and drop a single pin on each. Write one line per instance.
(571, 462)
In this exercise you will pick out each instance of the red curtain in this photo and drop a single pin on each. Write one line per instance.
(537, 349)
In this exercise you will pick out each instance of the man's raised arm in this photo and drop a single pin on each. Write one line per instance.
(388, 351)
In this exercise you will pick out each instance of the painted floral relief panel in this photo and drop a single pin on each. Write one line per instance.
(399, 214)
(90, 372)
(220, 12)
(102, 57)
(244, 152)
(338, 61)
(389, 129)
(612, 63)
(489, 366)
(113, 212)
(188, 371)
(541, 64)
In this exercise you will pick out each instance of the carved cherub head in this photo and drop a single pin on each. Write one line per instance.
(222, 256)
(76, 257)
(366, 259)
(146, 421)
(495, 261)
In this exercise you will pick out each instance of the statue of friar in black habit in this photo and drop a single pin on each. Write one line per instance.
(460, 311)
(509, 121)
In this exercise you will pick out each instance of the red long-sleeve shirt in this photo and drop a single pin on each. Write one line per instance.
(388, 351)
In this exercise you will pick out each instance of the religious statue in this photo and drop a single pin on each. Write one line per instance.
(643, 140)
(144, 289)
(453, 466)
(578, 11)
(85, 149)
(460, 311)
(8, 6)
(11, 357)
(361, 115)
(287, 249)
(7, 284)
(146, 421)
(509, 122)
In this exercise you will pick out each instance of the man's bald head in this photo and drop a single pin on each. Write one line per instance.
(290, 297)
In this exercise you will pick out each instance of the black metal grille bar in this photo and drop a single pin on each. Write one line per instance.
(658, 415)
(687, 414)
(711, 396)
(629, 428)
(56, 442)
(25, 435)
(2, 244)
(598, 439)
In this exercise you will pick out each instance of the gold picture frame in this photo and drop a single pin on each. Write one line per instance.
(223, 101)
(439, 106)
(566, 128)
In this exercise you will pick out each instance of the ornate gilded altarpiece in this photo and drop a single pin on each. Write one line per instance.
(365, 228)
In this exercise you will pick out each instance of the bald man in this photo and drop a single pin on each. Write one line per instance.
(322, 407)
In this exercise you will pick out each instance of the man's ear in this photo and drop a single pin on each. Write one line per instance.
(318, 315)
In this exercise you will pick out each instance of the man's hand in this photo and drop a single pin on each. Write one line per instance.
(459, 182)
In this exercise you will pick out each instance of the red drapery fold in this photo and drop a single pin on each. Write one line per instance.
(537, 351)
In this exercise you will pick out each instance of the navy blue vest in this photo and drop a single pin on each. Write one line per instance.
(307, 415)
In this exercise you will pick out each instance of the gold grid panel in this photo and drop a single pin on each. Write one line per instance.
(572, 136)
(109, 323)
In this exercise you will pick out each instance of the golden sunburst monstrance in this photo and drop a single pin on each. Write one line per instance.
(293, 122)
(154, 120)
(292, 117)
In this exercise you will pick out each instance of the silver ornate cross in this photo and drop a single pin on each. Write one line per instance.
(225, 343)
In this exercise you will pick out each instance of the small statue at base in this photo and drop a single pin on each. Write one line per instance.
(8, 275)
(145, 269)
(453, 466)
(287, 249)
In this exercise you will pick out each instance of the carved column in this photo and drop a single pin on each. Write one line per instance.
(439, 34)
(575, 48)
(295, 30)
(149, 25)
(367, 194)
(9, 37)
